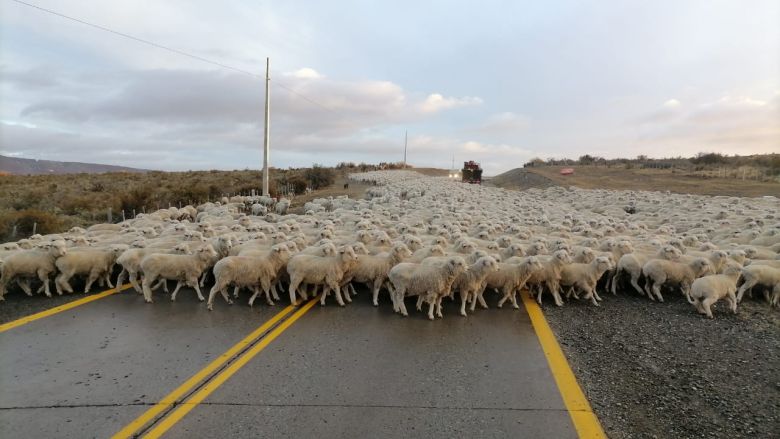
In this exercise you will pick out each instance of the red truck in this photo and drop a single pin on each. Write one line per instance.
(471, 172)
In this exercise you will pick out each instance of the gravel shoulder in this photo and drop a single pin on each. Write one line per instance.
(660, 370)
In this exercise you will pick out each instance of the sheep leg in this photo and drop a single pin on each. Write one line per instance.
(107, 277)
(338, 295)
(44, 277)
(375, 293)
(145, 284)
(90, 280)
(431, 305)
(648, 282)
(749, 283)
(61, 283)
(193, 281)
(134, 282)
(293, 287)
(635, 284)
(464, 296)
(346, 294)
(504, 297)
(325, 291)
(419, 303)
(176, 290)
(481, 300)
(438, 307)
(707, 304)
(590, 294)
(554, 287)
(236, 289)
(400, 301)
(513, 298)
(732, 299)
(24, 284)
(657, 291)
(121, 276)
(613, 283)
(274, 291)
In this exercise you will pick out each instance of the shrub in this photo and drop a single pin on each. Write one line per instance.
(319, 176)
(27, 220)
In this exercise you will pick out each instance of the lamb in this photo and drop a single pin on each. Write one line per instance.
(765, 275)
(315, 270)
(471, 282)
(659, 272)
(585, 277)
(248, 271)
(432, 281)
(185, 268)
(510, 277)
(95, 263)
(707, 290)
(550, 275)
(38, 262)
(282, 206)
(373, 269)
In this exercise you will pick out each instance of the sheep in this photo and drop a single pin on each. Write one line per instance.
(764, 275)
(432, 281)
(470, 282)
(550, 275)
(315, 270)
(659, 272)
(510, 278)
(585, 277)
(426, 252)
(185, 268)
(258, 209)
(248, 271)
(632, 264)
(707, 290)
(130, 261)
(94, 262)
(282, 206)
(38, 262)
(373, 269)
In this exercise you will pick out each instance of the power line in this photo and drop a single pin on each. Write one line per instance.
(176, 51)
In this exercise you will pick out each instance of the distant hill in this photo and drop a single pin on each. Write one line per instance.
(20, 166)
(520, 178)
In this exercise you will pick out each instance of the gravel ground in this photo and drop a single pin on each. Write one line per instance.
(660, 370)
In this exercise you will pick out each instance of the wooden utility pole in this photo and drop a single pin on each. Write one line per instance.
(266, 142)
(406, 138)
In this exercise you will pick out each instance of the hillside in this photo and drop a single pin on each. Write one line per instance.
(621, 178)
(20, 166)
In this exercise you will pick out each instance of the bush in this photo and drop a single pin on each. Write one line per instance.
(136, 199)
(26, 220)
(319, 176)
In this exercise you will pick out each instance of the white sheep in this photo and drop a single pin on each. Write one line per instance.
(765, 275)
(38, 262)
(95, 263)
(186, 268)
(431, 281)
(660, 272)
(320, 270)
(585, 277)
(707, 290)
(472, 281)
(373, 269)
(510, 278)
(632, 264)
(250, 272)
(549, 276)
(130, 261)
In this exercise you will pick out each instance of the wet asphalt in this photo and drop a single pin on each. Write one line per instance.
(358, 371)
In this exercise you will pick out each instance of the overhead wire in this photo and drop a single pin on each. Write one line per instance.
(176, 51)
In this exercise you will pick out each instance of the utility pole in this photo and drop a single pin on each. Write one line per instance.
(406, 138)
(266, 142)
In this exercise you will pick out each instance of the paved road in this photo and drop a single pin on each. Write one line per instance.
(355, 372)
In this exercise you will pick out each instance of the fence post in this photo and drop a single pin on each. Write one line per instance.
(13, 233)
(123, 215)
(133, 213)
(35, 227)
(110, 218)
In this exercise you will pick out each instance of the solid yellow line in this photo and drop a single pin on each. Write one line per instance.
(585, 421)
(58, 309)
(223, 376)
(180, 391)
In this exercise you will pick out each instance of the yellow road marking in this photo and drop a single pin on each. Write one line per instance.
(585, 421)
(185, 387)
(223, 376)
(58, 309)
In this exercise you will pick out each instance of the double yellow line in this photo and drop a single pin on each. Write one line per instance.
(174, 406)
(58, 309)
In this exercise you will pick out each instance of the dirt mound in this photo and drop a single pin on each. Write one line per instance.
(520, 178)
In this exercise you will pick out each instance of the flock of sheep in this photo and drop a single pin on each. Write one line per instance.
(430, 238)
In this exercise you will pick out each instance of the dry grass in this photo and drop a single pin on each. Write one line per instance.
(601, 177)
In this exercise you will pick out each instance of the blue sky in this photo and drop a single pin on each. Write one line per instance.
(498, 82)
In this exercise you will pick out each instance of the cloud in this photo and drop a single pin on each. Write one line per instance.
(506, 122)
(436, 102)
(305, 73)
(672, 103)
(730, 124)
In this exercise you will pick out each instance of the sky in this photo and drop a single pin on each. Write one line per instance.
(499, 82)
